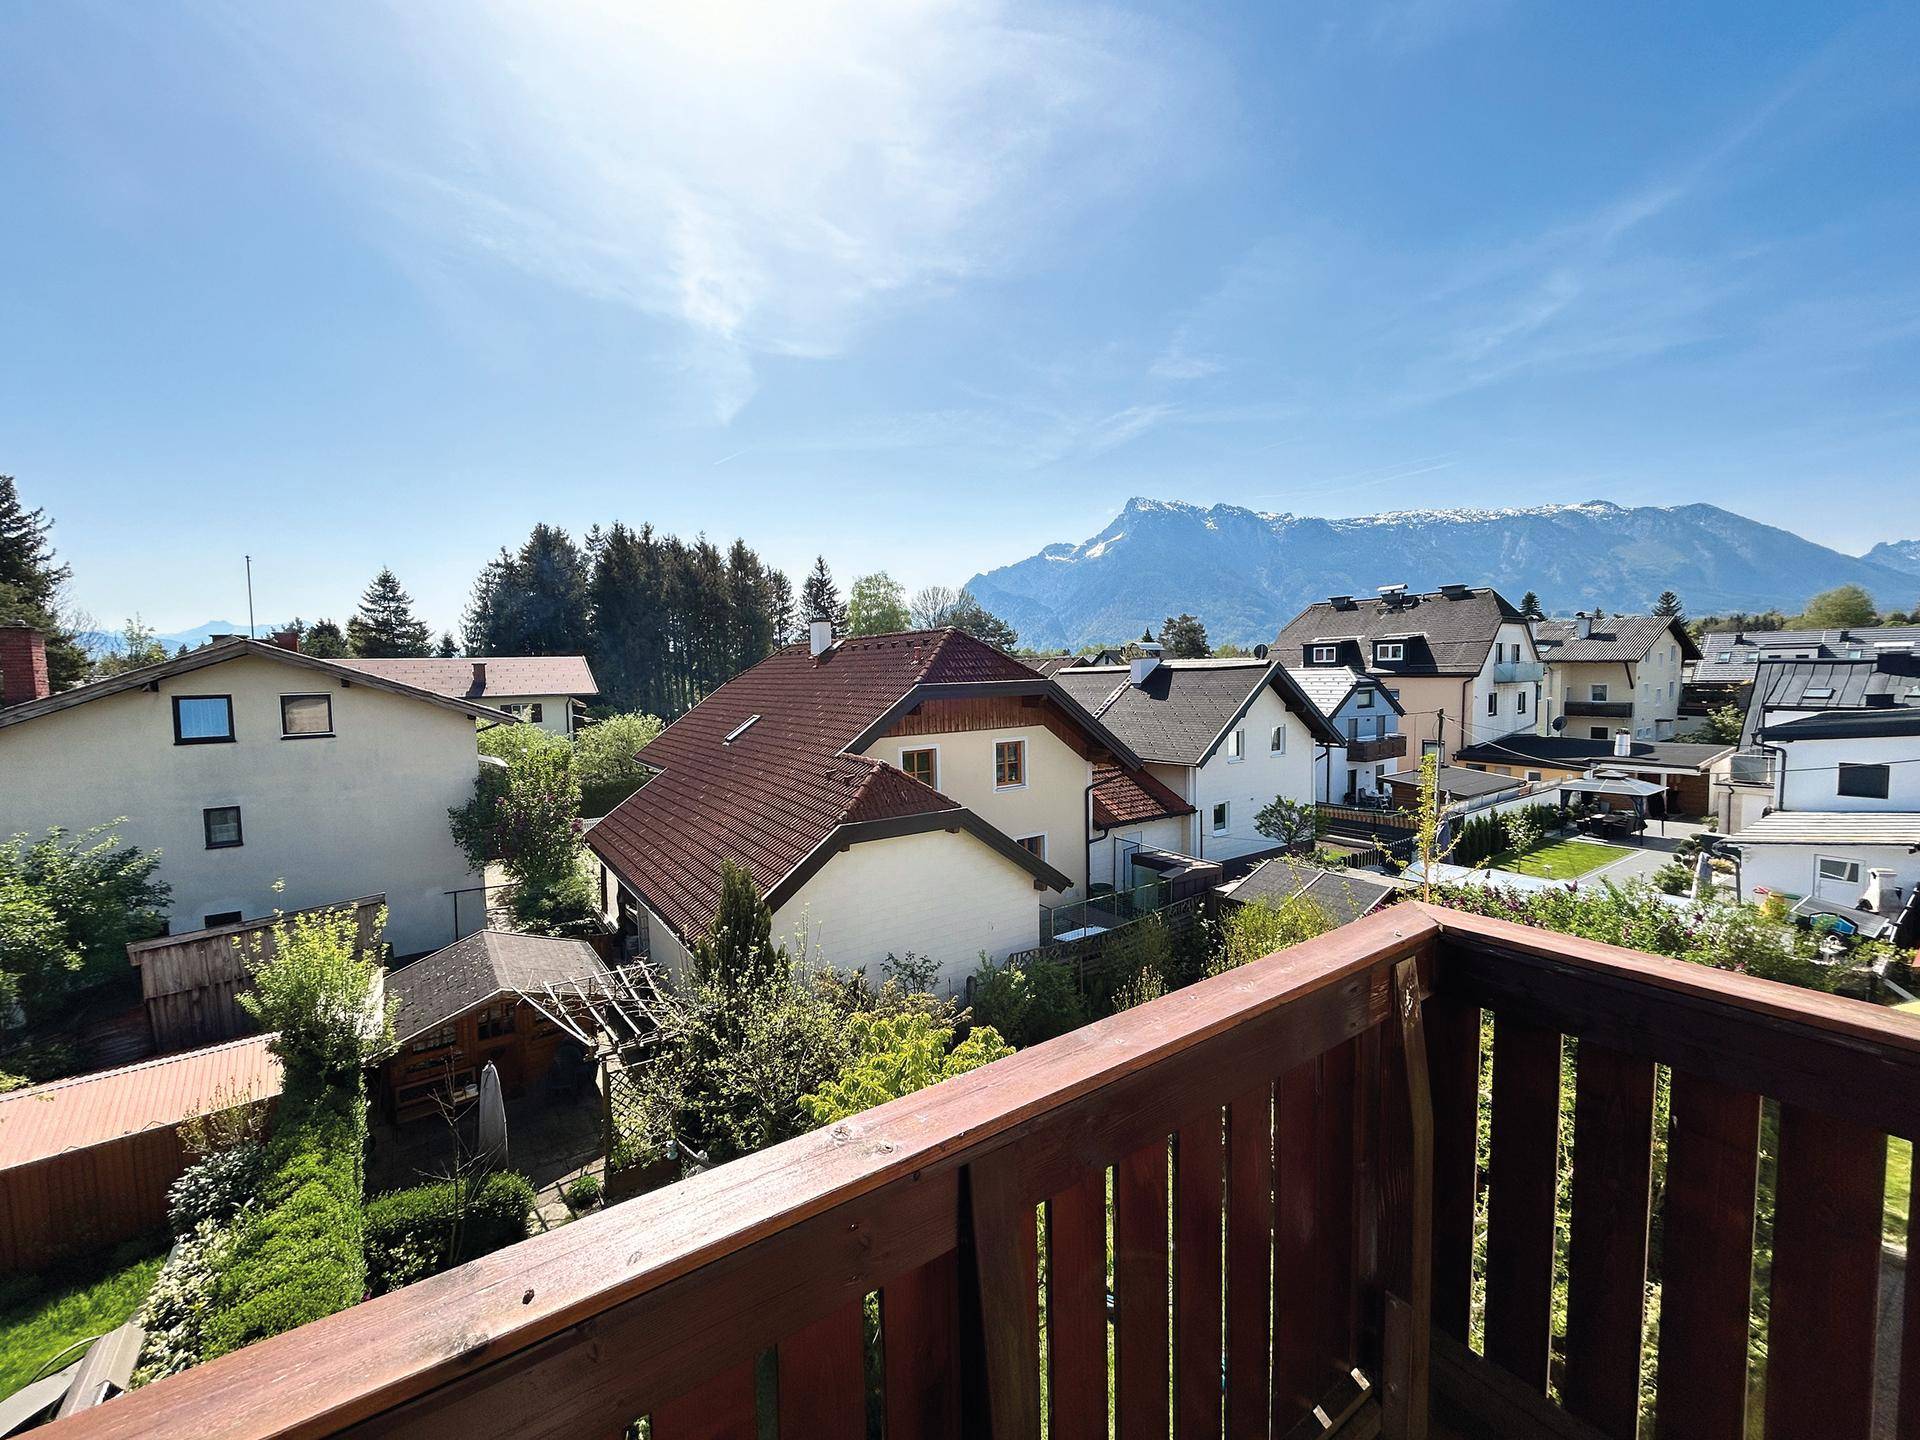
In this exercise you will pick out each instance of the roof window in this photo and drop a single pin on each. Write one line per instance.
(740, 729)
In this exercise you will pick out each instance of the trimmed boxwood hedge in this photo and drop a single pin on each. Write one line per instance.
(297, 1256)
(421, 1231)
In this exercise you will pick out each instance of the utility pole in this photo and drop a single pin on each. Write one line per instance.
(250, 634)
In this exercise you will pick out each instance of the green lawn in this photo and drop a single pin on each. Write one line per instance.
(41, 1315)
(1560, 860)
(1899, 1188)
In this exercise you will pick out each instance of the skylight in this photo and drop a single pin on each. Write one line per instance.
(739, 730)
(1821, 694)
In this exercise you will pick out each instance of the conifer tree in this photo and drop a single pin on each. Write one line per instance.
(819, 600)
(33, 585)
(324, 640)
(1668, 604)
(386, 626)
(1530, 607)
(1184, 638)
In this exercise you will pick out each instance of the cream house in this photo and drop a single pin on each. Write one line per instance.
(264, 779)
(550, 691)
(887, 793)
(1610, 673)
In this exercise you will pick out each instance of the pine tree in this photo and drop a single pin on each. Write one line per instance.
(532, 601)
(1530, 607)
(738, 950)
(33, 585)
(1184, 638)
(780, 611)
(446, 649)
(324, 640)
(385, 626)
(819, 600)
(1669, 604)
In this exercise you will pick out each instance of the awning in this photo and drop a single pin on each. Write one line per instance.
(1612, 785)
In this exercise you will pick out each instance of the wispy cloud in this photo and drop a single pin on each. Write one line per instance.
(767, 178)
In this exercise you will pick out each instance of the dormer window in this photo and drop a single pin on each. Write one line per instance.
(1390, 650)
(1325, 654)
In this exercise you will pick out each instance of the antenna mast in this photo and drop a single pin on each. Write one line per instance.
(250, 634)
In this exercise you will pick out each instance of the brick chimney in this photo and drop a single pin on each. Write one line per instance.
(23, 665)
(287, 640)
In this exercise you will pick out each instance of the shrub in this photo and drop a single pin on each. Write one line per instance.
(217, 1187)
(69, 904)
(1141, 947)
(315, 988)
(420, 1231)
(582, 1193)
(895, 1055)
(606, 757)
(1253, 931)
(297, 1255)
(178, 1308)
(1029, 1002)
(1673, 879)
(1294, 823)
(563, 906)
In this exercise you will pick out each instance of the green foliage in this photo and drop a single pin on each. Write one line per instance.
(565, 906)
(297, 1255)
(1530, 607)
(533, 602)
(69, 905)
(820, 600)
(1669, 605)
(1516, 832)
(1721, 727)
(385, 625)
(217, 1187)
(1672, 879)
(1184, 638)
(137, 648)
(582, 1193)
(1028, 1002)
(60, 1304)
(738, 952)
(877, 605)
(420, 1231)
(33, 585)
(1145, 985)
(325, 640)
(895, 1055)
(1838, 608)
(1294, 823)
(312, 985)
(517, 744)
(1251, 932)
(1142, 947)
(970, 617)
(526, 816)
(179, 1308)
(606, 759)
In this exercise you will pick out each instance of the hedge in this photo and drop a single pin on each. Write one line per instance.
(421, 1231)
(298, 1255)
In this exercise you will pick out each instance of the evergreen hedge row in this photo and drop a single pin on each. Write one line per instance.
(423, 1230)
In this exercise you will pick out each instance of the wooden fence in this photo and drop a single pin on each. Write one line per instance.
(192, 982)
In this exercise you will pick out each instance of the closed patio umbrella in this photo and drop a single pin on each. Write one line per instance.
(1702, 873)
(491, 1142)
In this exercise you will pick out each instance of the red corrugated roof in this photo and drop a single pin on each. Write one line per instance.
(89, 1110)
(1124, 797)
(768, 798)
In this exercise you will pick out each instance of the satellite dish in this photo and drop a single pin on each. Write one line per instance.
(1260, 652)
(1559, 722)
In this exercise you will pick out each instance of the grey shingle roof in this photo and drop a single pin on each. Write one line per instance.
(1460, 782)
(1443, 636)
(1569, 751)
(1053, 664)
(1185, 705)
(1745, 649)
(1618, 637)
(437, 987)
(1345, 895)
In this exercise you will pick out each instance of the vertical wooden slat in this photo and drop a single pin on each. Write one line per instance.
(1521, 1176)
(1706, 1281)
(1140, 1283)
(1453, 1052)
(1607, 1251)
(1826, 1277)
(1301, 1367)
(1249, 1253)
(1077, 1310)
(1408, 1164)
(1908, 1427)
(1005, 1258)
(823, 1382)
(1335, 1252)
(1199, 1197)
(718, 1408)
(920, 1324)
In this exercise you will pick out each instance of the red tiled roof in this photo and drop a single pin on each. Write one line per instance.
(89, 1110)
(1124, 797)
(506, 675)
(766, 800)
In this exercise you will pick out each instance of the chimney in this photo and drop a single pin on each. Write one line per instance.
(479, 678)
(287, 640)
(23, 665)
(1140, 669)
(1623, 742)
(819, 637)
(1582, 624)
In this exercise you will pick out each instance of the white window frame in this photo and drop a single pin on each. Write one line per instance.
(1493, 702)
(1236, 746)
(1385, 650)
(1220, 818)
(1277, 742)
(1325, 654)
(1520, 702)
(933, 750)
(1025, 755)
(1819, 873)
(1597, 692)
(1848, 767)
(1533, 777)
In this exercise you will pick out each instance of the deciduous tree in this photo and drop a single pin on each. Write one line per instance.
(877, 605)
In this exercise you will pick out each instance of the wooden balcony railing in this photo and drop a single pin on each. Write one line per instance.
(1377, 747)
(1286, 1157)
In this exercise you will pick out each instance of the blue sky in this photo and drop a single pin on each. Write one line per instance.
(926, 286)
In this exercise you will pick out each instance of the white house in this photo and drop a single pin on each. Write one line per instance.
(1225, 736)
(544, 690)
(1610, 673)
(887, 793)
(264, 779)
(1367, 715)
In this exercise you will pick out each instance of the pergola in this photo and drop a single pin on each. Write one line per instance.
(1615, 786)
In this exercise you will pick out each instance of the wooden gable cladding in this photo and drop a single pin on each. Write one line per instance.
(996, 712)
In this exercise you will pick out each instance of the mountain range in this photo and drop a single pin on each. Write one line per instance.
(110, 642)
(1245, 573)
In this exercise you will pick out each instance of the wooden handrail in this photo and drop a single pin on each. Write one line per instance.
(552, 1299)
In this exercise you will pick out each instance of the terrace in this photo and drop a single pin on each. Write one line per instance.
(1290, 1151)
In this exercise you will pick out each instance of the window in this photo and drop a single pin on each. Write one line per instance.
(1034, 845)
(1390, 650)
(202, 719)
(497, 1020)
(1597, 694)
(303, 715)
(1393, 695)
(1725, 656)
(1353, 728)
(1598, 732)
(1493, 702)
(1009, 764)
(1866, 781)
(1520, 703)
(441, 1039)
(222, 917)
(1325, 654)
(1236, 746)
(922, 765)
(1278, 744)
(1365, 702)
(1221, 814)
(222, 824)
(1846, 872)
(1429, 747)
(536, 712)
(1533, 777)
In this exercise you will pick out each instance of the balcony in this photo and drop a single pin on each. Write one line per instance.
(1518, 672)
(1313, 1116)
(1383, 747)
(1755, 768)
(1607, 709)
